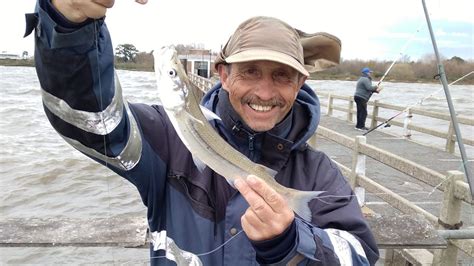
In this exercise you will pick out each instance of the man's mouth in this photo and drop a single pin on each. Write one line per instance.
(260, 108)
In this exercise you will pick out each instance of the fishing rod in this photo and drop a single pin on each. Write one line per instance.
(400, 56)
(454, 119)
(461, 78)
(413, 105)
(390, 67)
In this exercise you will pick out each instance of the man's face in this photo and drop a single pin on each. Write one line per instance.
(261, 92)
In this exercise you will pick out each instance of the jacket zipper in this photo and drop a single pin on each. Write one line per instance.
(251, 138)
(251, 145)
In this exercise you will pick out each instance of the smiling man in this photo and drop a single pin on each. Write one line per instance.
(261, 92)
(267, 113)
(271, 112)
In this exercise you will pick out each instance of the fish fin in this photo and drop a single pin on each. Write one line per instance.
(299, 202)
(210, 115)
(268, 170)
(200, 165)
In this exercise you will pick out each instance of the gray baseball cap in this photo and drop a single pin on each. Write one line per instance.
(267, 38)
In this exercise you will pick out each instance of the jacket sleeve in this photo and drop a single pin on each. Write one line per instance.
(368, 85)
(82, 96)
(337, 235)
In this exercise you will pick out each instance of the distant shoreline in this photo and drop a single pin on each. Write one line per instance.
(315, 76)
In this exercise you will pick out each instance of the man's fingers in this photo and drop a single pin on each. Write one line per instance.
(256, 202)
(105, 3)
(268, 214)
(271, 197)
(252, 225)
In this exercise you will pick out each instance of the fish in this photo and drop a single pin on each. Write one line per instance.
(180, 99)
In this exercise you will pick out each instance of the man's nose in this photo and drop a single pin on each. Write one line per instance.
(265, 87)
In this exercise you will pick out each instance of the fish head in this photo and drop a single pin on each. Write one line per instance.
(170, 79)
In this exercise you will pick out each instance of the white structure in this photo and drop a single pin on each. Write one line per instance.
(5, 55)
(199, 63)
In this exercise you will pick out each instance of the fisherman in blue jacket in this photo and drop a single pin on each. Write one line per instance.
(267, 113)
(363, 92)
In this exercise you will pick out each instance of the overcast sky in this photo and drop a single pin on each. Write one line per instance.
(370, 29)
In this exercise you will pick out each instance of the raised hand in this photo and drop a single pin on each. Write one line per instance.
(79, 10)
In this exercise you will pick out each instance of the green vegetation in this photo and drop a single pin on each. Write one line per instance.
(424, 70)
(17, 62)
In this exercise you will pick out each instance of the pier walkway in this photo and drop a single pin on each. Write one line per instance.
(413, 190)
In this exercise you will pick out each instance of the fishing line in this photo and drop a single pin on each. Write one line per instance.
(375, 194)
(401, 53)
(420, 102)
(96, 40)
(209, 252)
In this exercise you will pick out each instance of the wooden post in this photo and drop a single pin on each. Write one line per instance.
(450, 139)
(450, 217)
(375, 114)
(350, 111)
(358, 161)
(394, 258)
(406, 124)
(330, 102)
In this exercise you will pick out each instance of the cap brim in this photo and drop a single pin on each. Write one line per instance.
(260, 54)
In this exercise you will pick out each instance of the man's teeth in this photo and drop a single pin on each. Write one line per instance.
(260, 108)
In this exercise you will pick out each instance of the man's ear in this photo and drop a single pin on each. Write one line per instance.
(223, 75)
(302, 80)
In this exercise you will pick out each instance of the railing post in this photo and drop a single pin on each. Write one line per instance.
(394, 258)
(358, 161)
(330, 102)
(449, 218)
(450, 140)
(406, 124)
(375, 114)
(349, 111)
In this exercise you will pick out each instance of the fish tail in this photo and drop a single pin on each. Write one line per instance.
(299, 202)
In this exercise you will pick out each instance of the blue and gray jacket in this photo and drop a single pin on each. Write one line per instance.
(191, 213)
(364, 87)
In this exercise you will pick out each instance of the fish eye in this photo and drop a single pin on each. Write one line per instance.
(172, 73)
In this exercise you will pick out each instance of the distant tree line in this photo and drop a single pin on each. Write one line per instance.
(423, 70)
(404, 70)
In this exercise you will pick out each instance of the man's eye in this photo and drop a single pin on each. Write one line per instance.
(280, 74)
(281, 77)
(251, 71)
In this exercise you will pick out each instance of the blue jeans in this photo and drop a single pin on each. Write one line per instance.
(361, 111)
